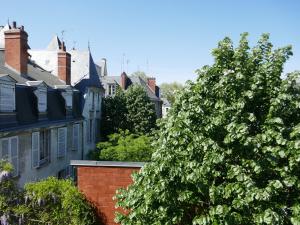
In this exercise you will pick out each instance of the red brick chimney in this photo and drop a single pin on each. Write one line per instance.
(16, 46)
(123, 80)
(152, 84)
(64, 64)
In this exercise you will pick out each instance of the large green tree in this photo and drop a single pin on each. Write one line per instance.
(229, 151)
(169, 90)
(141, 117)
(128, 110)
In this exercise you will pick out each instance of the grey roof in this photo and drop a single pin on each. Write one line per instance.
(107, 163)
(132, 80)
(35, 73)
(54, 44)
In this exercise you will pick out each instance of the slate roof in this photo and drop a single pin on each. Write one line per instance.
(35, 72)
(27, 115)
(131, 80)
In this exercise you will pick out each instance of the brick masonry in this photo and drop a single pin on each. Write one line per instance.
(99, 185)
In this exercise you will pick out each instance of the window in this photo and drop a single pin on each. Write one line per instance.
(68, 96)
(76, 136)
(111, 89)
(93, 100)
(62, 142)
(42, 100)
(40, 143)
(7, 97)
(10, 153)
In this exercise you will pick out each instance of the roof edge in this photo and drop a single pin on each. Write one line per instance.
(106, 163)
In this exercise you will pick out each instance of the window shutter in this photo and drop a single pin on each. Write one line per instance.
(7, 98)
(5, 149)
(14, 155)
(35, 145)
(62, 142)
(76, 136)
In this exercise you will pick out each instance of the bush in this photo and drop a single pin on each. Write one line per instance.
(124, 146)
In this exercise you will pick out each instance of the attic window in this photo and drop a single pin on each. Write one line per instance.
(7, 97)
(41, 95)
(68, 96)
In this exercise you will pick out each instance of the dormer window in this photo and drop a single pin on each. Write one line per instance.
(111, 89)
(68, 96)
(7, 94)
(40, 93)
(67, 93)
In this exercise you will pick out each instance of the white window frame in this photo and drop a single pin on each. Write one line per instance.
(111, 89)
(62, 152)
(76, 136)
(10, 158)
(7, 105)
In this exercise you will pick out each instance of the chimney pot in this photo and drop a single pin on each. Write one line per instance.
(14, 24)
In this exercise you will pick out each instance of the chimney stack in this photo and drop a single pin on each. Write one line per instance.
(16, 46)
(64, 64)
(152, 84)
(123, 80)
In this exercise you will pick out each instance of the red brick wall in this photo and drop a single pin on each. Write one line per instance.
(99, 185)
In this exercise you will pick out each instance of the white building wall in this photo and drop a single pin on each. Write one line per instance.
(91, 111)
(29, 174)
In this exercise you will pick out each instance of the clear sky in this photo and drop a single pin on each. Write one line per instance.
(175, 37)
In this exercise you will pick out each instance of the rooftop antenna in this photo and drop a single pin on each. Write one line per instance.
(127, 62)
(147, 66)
(123, 62)
(74, 45)
(62, 35)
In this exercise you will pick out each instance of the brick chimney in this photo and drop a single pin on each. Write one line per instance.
(64, 64)
(16, 46)
(152, 84)
(124, 81)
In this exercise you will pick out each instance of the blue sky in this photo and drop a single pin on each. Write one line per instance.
(175, 37)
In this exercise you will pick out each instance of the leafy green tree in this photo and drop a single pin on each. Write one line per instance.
(53, 201)
(130, 109)
(169, 90)
(229, 151)
(124, 146)
(114, 113)
(141, 117)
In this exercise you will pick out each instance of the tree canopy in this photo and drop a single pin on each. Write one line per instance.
(131, 110)
(124, 146)
(229, 150)
(169, 90)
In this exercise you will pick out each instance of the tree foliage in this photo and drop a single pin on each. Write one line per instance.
(50, 201)
(130, 109)
(56, 202)
(169, 90)
(124, 146)
(229, 151)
